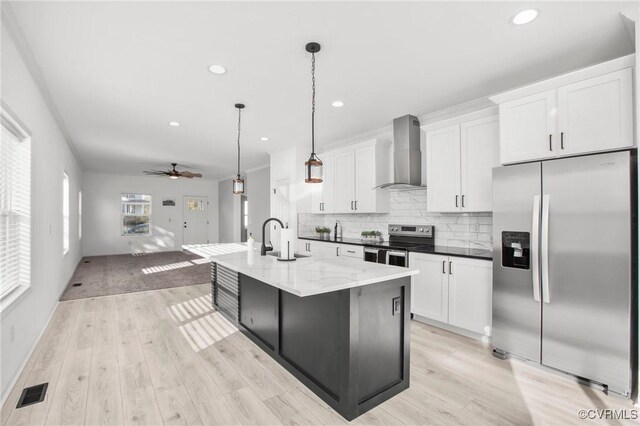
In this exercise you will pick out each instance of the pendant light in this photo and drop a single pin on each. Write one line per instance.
(313, 166)
(238, 184)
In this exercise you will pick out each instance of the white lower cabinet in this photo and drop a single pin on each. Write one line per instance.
(349, 250)
(330, 249)
(319, 248)
(430, 288)
(453, 290)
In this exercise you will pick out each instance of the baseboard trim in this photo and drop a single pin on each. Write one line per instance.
(452, 328)
(14, 379)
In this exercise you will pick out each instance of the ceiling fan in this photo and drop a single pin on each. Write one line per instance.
(173, 174)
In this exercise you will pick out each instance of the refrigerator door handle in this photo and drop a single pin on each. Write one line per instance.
(535, 234)
(544, 249)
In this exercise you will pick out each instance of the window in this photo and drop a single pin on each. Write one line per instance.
(195, 205)
(15, 208)
(136, 214)
(79, 215)
(65, 213)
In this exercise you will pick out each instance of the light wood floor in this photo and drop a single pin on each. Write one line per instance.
(163, 357)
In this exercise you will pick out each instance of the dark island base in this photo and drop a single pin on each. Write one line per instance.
(350, 347)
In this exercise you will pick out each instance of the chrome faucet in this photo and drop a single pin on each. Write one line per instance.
(265, 248)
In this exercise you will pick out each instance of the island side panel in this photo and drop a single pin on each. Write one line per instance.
(259, 310)
(310, 329)
(381, 341)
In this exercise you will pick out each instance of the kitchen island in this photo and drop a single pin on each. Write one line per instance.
(339, 325)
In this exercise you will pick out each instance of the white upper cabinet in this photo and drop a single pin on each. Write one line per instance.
(479, 154)
(345, 175)
(527, 128)
(596, 114)
(349, 178)
(322, 195)
(589, 110)
(365, 195)
(443, 169)
(460, 159)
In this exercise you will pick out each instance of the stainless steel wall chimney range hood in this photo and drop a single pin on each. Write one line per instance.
(407, 158)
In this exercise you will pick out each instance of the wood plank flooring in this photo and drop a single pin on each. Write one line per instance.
(164, 357)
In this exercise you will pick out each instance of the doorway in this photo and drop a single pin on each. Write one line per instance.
(281, 206)
(196, 222)
(244, 218)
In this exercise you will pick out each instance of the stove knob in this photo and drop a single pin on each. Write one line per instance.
(421, 229)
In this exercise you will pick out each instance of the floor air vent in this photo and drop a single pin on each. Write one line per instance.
(32, 395)
(76, 284)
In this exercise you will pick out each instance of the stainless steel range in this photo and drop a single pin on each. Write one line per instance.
(402, 238)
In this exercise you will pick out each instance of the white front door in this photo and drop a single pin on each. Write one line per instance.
(195, 223)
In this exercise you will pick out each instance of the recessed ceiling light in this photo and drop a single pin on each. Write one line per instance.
(264, 138)
(524, 17)
(174, 124)
(337, 104)
(217, 69)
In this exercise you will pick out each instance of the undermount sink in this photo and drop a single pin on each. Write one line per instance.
(277, 254)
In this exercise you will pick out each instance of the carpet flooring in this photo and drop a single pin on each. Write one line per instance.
(126, 273)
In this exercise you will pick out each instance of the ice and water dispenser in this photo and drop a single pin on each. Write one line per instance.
(515, 249)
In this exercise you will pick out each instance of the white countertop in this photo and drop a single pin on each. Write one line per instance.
(305, 276)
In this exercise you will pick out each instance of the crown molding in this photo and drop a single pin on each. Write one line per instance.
(10, 21)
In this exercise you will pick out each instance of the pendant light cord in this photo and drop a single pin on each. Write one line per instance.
(239, 115)
(313, 103)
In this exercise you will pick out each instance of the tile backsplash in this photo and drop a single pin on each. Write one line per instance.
(468, 230)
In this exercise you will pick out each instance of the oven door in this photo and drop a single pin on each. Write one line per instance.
(398, 258)
(375, 255)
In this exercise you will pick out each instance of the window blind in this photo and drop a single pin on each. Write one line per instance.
(15, 210)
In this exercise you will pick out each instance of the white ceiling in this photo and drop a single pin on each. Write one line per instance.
(118, 72)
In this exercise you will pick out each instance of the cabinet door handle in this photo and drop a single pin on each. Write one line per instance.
(457, 196)
(351, 251)
(462, 200)
(450, 273)
(355, 204)
(352, 205)
(337, 251)
(561, 140)
(443, 263)
(550, 143)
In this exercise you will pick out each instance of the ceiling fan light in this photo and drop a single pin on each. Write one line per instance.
(238, 185)
(313, 169)
(173, 177)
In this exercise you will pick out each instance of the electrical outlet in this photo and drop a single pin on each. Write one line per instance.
(397, 306)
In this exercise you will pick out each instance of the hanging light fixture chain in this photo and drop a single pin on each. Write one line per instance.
(313, 102)
(239, 115)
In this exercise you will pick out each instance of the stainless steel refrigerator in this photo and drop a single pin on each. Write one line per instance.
(564, 265)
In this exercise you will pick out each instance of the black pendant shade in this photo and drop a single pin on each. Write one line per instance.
(238, 182)
(313, 166)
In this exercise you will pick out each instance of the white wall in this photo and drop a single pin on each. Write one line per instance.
(258, 195)
(288, 165)
(101, 212)
(229, 212)
(24, 320)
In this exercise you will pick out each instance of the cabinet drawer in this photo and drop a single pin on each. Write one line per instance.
(349, 250)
